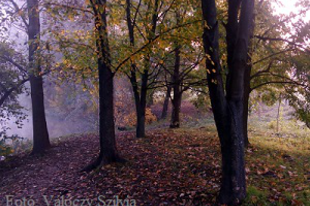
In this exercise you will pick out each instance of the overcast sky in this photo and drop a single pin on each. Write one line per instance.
(288, 7)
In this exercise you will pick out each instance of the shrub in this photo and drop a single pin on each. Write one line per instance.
(5, 150)
(131, 119)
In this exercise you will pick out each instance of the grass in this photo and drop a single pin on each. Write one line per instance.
(279, 164)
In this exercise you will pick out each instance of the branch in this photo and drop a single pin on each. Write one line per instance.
(10, 91)
(21, 68)
(284, 40)
(288, 81)
(262, 71)
(151, 42)
(136, 14)
(271, 82)
(3, 87)
(69, 7)
(17, 9)
(283, 21)
(271, 55)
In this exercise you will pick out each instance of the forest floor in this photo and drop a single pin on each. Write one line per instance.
(168, 167)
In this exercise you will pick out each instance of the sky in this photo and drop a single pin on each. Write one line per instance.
(288, 7)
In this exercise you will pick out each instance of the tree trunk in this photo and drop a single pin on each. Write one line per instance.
(108, 152)
(140, 132)
(278, 114)
(247, 86)
(246, 98)
(140, 105)
(140, 99)
(176, 110)
(150, 98)
(40, 133)
(228, 110)
(166, 103)
(177, 93)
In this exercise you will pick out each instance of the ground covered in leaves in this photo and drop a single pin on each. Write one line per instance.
(169, 167)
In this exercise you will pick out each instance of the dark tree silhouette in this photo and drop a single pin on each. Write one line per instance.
(228, 109)
(40, 133)
(108, 152)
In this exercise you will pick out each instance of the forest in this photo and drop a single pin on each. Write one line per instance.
(154, 102)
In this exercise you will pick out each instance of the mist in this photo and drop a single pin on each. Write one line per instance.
(59, 123)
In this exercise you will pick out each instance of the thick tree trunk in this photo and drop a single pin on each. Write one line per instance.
(40, 133)
(166, 103)
(177, 92)
(228, 110)
(233, 185)
(140, 129)
(108, 152)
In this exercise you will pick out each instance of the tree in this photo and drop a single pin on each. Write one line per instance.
(108, 152)
(12, 79)
(270, 66)
(166, 103)
(228, 109)
(177, 54)
(28, 20)
(40, 134)
(140, 93)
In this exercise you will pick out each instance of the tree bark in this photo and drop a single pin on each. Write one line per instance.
(247, 85)
(176, 110)
(166, 103)
(278, 114)
(108, 151)
(140, 132)
(247, 90)
(177, 91)
(150, 98)
(40, 133)
(228, 110)
(140, 101)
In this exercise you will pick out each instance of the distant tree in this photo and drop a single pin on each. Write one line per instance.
(166, 103)
(173, 54)
(141, 92)
(187, 55)
(227, 106)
